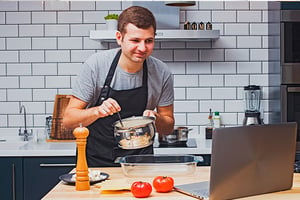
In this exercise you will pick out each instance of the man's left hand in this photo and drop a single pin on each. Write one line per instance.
(150, 113)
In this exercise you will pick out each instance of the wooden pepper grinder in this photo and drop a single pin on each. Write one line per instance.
(82, 173)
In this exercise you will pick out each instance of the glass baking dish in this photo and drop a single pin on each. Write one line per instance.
(158, 165)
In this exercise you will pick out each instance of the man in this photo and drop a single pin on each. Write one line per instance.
(126, 80)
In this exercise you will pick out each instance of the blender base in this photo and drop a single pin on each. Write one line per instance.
(252, 118)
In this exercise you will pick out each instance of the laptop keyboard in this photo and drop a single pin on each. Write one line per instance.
(202, 192)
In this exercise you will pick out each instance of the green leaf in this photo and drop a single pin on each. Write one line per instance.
(112, 16)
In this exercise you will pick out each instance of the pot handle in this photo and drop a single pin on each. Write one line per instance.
(129, 133)
(127, 136)
(199, 159)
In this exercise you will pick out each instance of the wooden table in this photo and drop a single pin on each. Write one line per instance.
(63, 191)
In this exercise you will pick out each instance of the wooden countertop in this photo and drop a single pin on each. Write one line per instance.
(63, 191)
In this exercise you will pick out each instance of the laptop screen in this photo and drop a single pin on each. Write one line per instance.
(250, 160)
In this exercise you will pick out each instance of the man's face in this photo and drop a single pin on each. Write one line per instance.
(136, 44)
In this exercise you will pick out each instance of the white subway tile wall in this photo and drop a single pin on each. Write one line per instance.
(43, 44)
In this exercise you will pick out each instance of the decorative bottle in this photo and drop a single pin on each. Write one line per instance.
(217, 120)
(210, 126)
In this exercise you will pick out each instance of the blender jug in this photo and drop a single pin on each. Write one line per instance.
(252, 98)
(252, 105)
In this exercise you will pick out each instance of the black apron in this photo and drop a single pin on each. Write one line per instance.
(102, 149)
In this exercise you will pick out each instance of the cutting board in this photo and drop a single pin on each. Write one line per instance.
(58, 131)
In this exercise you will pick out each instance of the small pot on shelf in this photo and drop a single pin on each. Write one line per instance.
(111, 21)
(111, 24)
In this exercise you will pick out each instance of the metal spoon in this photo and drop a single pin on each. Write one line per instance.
(120, 119)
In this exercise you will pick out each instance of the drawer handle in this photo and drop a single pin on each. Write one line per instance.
(13, 182)
(57, 165)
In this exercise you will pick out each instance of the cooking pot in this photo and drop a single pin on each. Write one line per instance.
(135, 132)
(179, 135)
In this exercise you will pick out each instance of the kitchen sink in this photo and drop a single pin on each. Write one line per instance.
(13, 143)
(10, 145)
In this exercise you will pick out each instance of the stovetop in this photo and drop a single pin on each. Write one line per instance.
(191, 143)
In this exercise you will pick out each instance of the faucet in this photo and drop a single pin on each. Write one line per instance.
(25, 133)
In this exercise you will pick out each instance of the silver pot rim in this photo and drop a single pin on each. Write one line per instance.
(118, 125)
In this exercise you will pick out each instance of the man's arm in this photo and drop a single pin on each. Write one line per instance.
(76, 112)
(164, 119)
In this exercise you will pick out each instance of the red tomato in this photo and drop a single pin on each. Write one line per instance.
(141, 189)
(163, 183)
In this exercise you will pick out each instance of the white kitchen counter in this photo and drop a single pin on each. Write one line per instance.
(203, 147)
(24, 149)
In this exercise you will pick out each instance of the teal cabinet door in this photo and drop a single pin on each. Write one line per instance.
(41, 174)
(11, 173)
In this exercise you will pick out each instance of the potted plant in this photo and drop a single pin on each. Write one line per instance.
(111, 21)
(111, 16)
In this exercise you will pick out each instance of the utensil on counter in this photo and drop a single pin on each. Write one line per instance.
(135, 133)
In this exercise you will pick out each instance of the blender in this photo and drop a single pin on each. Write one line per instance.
(252, 104)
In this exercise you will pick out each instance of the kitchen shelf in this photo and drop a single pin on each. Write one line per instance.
(163, 35)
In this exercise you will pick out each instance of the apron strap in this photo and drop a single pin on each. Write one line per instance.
(104, 91)
(145, 76)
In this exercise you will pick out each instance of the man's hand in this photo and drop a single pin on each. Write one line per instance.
(76, 112)
(108, 107)
(150, 113)
(164, 118)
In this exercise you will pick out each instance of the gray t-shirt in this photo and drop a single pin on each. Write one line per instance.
(94, 71)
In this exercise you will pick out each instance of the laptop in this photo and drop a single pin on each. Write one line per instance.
(248, 160)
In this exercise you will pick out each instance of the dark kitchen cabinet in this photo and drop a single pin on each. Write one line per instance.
(31, 178)
(41, 174)
(11, 173)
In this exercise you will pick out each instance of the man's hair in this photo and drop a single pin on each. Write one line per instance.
(139, 16)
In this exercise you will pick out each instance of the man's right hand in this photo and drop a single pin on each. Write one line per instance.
(76, 112)
(108, 107)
